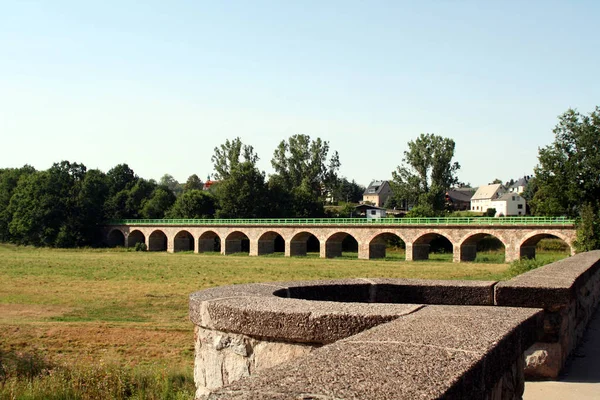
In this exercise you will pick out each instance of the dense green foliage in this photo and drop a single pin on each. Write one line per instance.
(425, 175)
(64, 205)
(566, 179)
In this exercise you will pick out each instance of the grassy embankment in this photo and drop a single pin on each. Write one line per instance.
(113, 323)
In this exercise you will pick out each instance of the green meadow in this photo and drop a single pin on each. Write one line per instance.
(112, 323)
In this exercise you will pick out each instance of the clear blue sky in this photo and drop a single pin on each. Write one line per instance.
(159, 84)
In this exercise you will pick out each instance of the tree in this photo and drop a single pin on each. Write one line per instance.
(120, 177)
(427, 172)
(243, 194)
(347, 191)
(193, 203)
(303, 162)
(588, 227)
(568, 170)
(193, 183)
(158, 203)
(227, 157)
(9, 178)
(496, 181)
(56, 207)
(171, 183)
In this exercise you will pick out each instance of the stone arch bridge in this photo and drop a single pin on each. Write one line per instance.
(519, 235)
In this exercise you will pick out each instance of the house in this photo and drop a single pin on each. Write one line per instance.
(370, 211)
(520, 185)
(485, 195)
(509, 204)
(377, 193)
(459, 199)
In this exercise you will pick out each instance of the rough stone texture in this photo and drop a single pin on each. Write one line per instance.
(385, 362)
(516, 239)
(222, 358)
(423, 291)
(543, 360)
(569, 292)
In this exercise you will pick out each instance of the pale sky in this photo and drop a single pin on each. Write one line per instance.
(158, 84)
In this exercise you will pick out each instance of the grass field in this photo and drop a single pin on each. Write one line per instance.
(124, 313)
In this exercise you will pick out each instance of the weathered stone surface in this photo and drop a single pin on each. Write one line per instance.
(423, 291)
(388, 362)
(298, 320)
(569, 291)
(222, 358)
(543, 360)
(550, 286)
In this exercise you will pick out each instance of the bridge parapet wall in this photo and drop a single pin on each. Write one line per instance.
(569, 292)
(395, 337)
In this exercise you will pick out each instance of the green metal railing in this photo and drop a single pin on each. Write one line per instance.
(353, 221)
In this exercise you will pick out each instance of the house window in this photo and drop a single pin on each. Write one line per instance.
(520, 207)
(513, 198)
(373, 212)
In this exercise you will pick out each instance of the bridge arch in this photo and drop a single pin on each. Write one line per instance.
(470, 244)
(157, 241)
(237, 242)
(136, 236)
(209, 242)
(115, 238)
(339, 241)
(183, 241)
(270, 242)
(379, 243)
(302, 243)
(528, 244)
(422, 244)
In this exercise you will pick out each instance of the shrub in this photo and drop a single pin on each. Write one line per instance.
(140, 246)
(521, 266)
(490, 212)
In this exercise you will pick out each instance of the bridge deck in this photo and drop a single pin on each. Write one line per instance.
(470, 221)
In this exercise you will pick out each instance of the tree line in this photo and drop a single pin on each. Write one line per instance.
(64, 205)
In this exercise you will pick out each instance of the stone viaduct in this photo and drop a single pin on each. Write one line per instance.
(519, 235)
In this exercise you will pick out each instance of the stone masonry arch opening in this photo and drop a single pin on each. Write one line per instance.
(546, 246)
(483, 247)
(271, 243)
(432, 246)
(304, 243)
(209, 242)
(183, 241)
(157, 241)
(237, 242)
(135, 237)
(115, 238)
(387, 245)
(341, 244)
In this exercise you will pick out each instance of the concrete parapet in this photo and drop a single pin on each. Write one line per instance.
(568, 291)
(395, 338)
(366, 325)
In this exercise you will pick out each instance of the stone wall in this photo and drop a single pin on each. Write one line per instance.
(569, 292)
(519, 241)
(304, 332)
